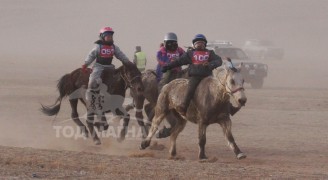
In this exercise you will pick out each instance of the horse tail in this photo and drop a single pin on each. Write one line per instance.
(65, 86)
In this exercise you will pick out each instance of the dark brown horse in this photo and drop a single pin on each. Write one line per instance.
(149, 80)
(126, 76)
(210, 104)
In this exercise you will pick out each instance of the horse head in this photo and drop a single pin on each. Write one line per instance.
(233, 81)
(132, 77)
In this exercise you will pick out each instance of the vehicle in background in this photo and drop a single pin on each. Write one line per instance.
(262, 49)
(253, 72)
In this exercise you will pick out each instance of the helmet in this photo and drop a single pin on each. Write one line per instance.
(170, 37)
(199, 37)
(104, 31)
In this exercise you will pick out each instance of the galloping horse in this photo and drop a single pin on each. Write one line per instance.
(149, 80)
(210, 104)
(126, 76)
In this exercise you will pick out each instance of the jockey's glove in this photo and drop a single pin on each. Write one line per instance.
(84, 68)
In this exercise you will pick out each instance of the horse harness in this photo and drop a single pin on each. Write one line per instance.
(231, 91)
(128, 83)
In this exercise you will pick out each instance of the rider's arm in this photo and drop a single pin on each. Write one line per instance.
(182, 60)
(92, 55)
(215, 60)
(120, 55)
(161, 59)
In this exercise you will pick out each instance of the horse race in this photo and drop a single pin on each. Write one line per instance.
(162, 89)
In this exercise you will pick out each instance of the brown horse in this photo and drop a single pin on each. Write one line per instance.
(126, 76)
(210, 104)
(149, 80)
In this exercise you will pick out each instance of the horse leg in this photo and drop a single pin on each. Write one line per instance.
(166, 132)
(226, 126)
(126, 120)
(202, 140)
(76, 119)
(130, 106)
(150, 112)
(139, 115)
(90, 119)
(180, 124)
(102, 125)
(154, 126)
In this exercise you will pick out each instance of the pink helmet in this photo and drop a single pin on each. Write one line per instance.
(106, 30)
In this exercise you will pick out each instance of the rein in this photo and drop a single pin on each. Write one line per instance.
(225, 87)
(128, 83)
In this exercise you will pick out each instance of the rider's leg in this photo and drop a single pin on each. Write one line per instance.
(93, 91)
(192, 85)
(166, 131)
(164, 80)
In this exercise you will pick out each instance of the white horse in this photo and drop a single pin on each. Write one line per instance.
(210, 104)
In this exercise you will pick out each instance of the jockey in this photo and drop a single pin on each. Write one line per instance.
(166, 54)
(103, 54)
(202, 61)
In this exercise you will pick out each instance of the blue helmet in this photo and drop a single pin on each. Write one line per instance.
(199, 37)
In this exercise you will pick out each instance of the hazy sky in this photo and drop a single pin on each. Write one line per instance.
(60, 26)
(58, 30)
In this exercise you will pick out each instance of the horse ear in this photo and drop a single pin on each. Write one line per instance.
(240, 66)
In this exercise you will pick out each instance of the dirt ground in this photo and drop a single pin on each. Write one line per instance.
(282, 129)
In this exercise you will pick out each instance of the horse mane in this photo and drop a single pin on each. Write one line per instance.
(219, 74)
(129, 65)
(148, 73)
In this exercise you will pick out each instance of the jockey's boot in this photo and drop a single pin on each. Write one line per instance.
(163, 133)
(192, 85)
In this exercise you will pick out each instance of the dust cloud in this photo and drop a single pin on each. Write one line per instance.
(41, 40)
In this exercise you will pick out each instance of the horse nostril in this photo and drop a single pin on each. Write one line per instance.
(242, 101)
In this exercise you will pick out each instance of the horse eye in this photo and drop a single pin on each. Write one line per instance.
(232, 82)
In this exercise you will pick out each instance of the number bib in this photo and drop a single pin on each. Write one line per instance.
(106, 51)
(200, 57)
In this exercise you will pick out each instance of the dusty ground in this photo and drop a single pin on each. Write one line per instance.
(283, 131)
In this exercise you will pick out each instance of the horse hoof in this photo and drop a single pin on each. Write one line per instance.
(97, 142)
(203, 158)
(241, 156)
(144, 144)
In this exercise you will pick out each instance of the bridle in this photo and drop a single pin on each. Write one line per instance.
(236, 90)
(230, 92)
(128, 83)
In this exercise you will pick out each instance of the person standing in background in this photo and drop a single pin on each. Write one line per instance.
(140, 59)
